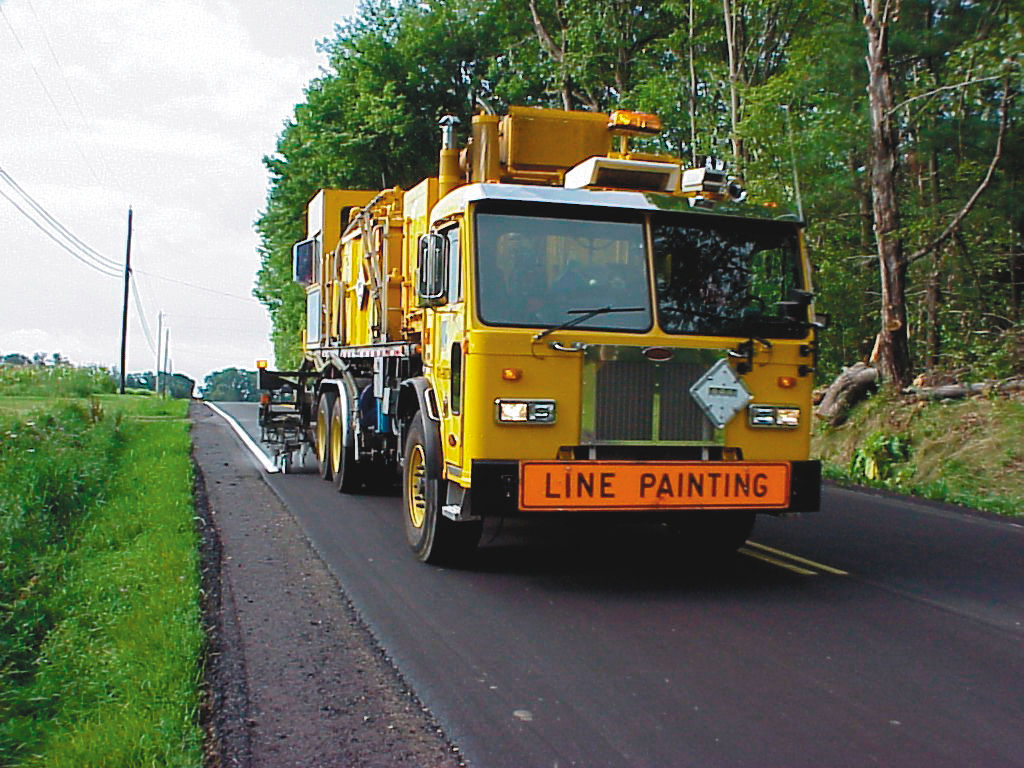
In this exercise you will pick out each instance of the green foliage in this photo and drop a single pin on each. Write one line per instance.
(231, 385)
(963, 452)
(57, 380)
(100, 633)
(370, 121)
(876, 461)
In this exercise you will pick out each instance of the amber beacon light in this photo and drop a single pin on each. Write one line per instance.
(628, 123)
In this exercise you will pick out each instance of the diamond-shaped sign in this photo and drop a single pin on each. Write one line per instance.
(720, 393)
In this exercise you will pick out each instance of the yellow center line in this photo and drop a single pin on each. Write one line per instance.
(776, 561)
(797, 559)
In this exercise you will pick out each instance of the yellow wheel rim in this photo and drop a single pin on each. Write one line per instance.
(415, 492)
(321, 439)
(336, 444)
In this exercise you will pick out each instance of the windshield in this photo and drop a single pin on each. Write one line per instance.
(542, 270)
(726, 277)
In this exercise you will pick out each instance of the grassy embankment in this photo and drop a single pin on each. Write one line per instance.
(968, 452)
(100, 632)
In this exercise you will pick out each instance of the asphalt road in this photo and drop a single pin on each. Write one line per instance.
(876, 632)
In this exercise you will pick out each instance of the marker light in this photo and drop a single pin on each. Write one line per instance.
(261, 363)
(511, 374)
(786, 382)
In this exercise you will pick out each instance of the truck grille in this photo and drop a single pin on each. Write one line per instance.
(630, 398)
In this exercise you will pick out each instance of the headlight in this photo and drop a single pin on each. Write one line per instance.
(762, 416)
(525, 411)
(786, 417)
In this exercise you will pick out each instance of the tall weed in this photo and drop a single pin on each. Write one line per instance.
(54, 467)
(56, 380)
(100, 633)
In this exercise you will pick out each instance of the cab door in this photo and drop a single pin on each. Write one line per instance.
(449, 331)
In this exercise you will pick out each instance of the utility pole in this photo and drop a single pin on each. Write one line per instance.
(159, 340)
(124, 314)
(167, 349)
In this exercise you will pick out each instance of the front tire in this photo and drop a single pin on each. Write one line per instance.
(343, 457)
(324, 412)
(432, 537)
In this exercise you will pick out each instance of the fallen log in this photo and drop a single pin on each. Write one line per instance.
(957, 391)
(849, 388)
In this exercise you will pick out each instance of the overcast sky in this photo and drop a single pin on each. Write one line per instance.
(167, 106)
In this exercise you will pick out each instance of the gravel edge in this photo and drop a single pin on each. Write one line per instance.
(281, 687)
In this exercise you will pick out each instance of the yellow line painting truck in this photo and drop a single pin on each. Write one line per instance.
(556, 325)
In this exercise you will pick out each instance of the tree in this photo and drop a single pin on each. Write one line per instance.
(178, 386)
(231, 385)
(16, 358)
(893, 351)
(144, 380)
(911, 167)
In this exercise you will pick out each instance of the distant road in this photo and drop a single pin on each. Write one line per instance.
(877, 632)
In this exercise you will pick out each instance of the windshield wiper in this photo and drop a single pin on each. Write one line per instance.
(584, 315)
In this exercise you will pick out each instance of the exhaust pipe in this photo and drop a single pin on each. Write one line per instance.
(448, 176)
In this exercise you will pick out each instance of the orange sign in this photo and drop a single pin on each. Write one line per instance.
(583, 485)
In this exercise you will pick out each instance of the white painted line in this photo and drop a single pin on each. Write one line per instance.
(249, 443)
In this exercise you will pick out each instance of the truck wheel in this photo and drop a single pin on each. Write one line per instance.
(432, 537)
(324, 410)
(342, 457)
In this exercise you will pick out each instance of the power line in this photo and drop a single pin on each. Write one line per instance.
(197, 287)
(64, 231)
(142, 318)
(49, 96)
(71, 92)
(76, 247)
(101, 268)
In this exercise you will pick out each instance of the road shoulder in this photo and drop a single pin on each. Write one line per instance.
(293, 677)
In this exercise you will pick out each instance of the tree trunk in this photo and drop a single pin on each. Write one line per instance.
(933, 306)
(732, 44)
(893, 349)
(1016, 272)
(556, 52)
(693, 92)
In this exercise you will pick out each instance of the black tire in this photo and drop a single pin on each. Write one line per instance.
(432, 537)
(711, 535)
(342, 457)
(324, 411)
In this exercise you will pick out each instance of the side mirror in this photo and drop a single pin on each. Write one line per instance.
(822, 320)
(430, 269)
(796, 304)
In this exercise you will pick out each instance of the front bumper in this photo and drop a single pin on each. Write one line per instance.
(496, 492)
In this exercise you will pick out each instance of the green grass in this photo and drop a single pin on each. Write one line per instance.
(100, 627)
(967, 452)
